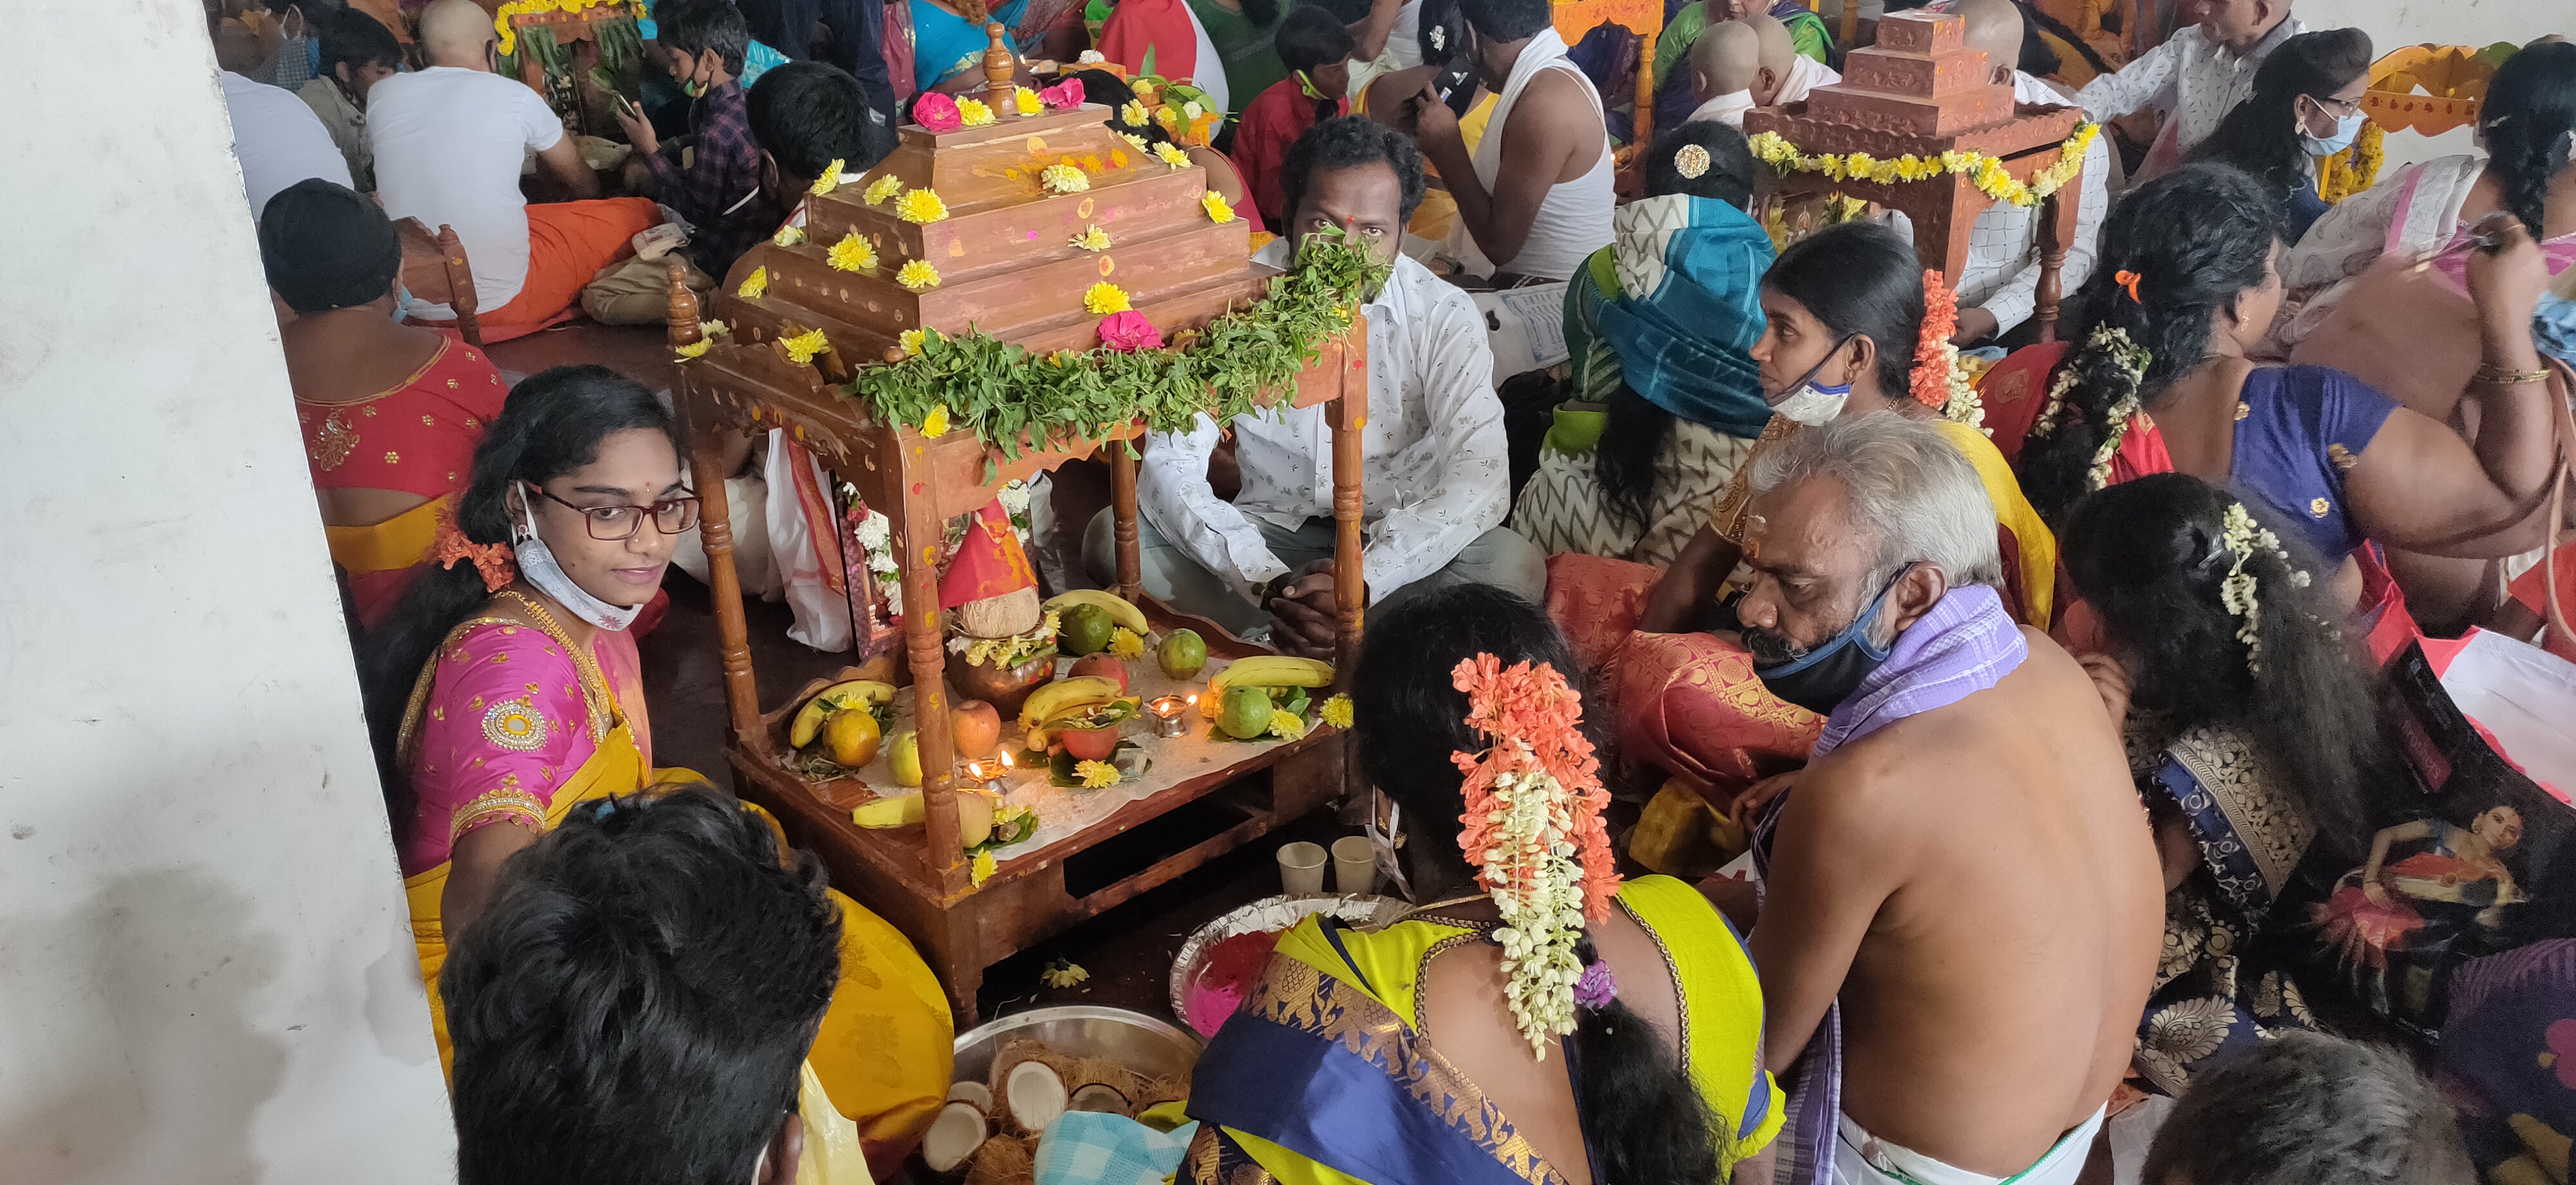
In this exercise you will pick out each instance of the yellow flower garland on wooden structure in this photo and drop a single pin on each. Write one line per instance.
(510, 36)
(1988, 173)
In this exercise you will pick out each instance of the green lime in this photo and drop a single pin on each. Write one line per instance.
(1183, 655)
(1246, 713)
(1084, 629)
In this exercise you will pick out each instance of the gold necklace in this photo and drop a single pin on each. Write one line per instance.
(594, 685)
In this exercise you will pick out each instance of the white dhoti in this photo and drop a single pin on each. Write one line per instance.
(1863, 1159)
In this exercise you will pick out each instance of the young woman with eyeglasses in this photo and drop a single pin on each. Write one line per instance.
(504, 688)
(2306, 105)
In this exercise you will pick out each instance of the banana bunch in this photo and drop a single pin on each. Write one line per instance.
(1062, 700)
(1271, 670)
(1126, 615)
(851, 694)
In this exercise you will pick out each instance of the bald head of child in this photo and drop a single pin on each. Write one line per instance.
(1724, 60)
(455, 33)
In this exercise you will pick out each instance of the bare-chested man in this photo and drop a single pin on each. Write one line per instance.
(1535, 195)
(1963, 866)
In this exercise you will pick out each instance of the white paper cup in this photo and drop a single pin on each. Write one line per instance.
(1301, 867)
(1354, 865)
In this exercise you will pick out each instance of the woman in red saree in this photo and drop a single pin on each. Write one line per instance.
(2162, 382)
(390, 413)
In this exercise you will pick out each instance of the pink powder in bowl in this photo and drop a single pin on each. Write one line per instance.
(1226, 972)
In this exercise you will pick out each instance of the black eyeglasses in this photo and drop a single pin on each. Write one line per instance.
(617, 524)
(2345, 107)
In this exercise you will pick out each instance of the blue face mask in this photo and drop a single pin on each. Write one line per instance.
(1822, 678)
(2347, 130)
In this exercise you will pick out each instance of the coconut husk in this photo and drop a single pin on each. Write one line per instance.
(1004, 1160)
(1100, 1071)
(1154, 1092)
(1021, 1049)
(1008, 615)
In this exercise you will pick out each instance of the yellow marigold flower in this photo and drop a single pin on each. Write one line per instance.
(755, 285)
(974, 113)
(1133, 138)
(1172, 156)
(852, 254)
(983, 869)
(1063, 974)
(714, 328)
(1026, 101)
(935, 425)
(830, 180)
(1104, 298)
(802, 348)
(1092, 238)
(1337, 711)
(1287, 726)
(1096, 775)
(1064, 179)
(696, 348)
(921, 205)
(1132, 114)
(1216, 207)
(918, 275)
(1123, 643)
(788, 236)
(882, 188)
(912, 340)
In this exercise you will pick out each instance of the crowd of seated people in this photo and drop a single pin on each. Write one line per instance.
(1951, 751)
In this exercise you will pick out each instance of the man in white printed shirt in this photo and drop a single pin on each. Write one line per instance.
(1999, 285)
(1436, 483)
(2196, 76)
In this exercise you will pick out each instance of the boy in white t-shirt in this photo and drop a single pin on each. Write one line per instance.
(449, 141)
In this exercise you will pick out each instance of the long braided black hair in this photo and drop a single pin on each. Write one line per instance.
(2192, 239)
(2527, 121)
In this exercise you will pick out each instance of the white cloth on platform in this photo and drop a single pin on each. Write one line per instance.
(1435, 473)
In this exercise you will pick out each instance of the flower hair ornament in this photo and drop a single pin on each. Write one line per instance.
(1691, 162)
(2132, 359)
(1533, 829)
(2242, 535)
(495, 561)
(1937, 381)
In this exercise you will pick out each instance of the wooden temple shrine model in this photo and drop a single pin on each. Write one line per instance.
(1008, 268)
(1921, 91)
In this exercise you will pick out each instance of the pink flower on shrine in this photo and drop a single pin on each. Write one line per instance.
(1063, 96)
(937, 112)
(1129, 332)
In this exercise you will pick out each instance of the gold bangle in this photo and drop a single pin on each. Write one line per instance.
(2501, 377)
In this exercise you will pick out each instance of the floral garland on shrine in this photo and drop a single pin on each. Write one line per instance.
(2354, 169)
(1014, 399)
(1988, 172)
(509, 35)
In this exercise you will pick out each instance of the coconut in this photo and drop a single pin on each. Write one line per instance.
(1021, 1049)
(1099, 1097)
(954, 1135)
(1100, 1071)
(1033, 1095)
(1008, 615)
(972, 1092)
(1005, 1160)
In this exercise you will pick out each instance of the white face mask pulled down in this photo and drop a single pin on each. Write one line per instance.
(537, 563)
(1811, 403)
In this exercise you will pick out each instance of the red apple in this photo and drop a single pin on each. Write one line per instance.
(1090, 744)
(974, 728)
(1105, 666)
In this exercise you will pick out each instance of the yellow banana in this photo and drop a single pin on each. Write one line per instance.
(1056, 698)
(849, 694)
(1117, 607)
(1271, 670)
(974, 815)
(889, 812)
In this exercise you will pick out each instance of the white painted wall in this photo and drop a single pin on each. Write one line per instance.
(2394, 23)
(205, 970)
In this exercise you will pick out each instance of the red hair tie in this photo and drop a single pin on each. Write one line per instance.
(495, 561)
(2128, 282)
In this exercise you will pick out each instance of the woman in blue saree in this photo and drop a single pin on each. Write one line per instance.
(2250, 731)
(948, 40)
(1330, 1072)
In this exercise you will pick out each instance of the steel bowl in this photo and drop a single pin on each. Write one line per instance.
(1131, 1039)
(1274, 914)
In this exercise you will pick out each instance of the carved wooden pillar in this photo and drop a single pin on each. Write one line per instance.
(1122, 516)
(1000, 67)
(920, 530)
(2052, 264)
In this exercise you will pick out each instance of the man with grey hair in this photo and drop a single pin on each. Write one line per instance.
(1962, 907)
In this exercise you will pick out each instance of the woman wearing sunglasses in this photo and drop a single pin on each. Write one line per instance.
(504, 688)
(2306, 104)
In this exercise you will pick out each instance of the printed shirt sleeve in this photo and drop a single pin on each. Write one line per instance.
(1172, 492)
(1470, 489)
(506, 726)
(2136, 85)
